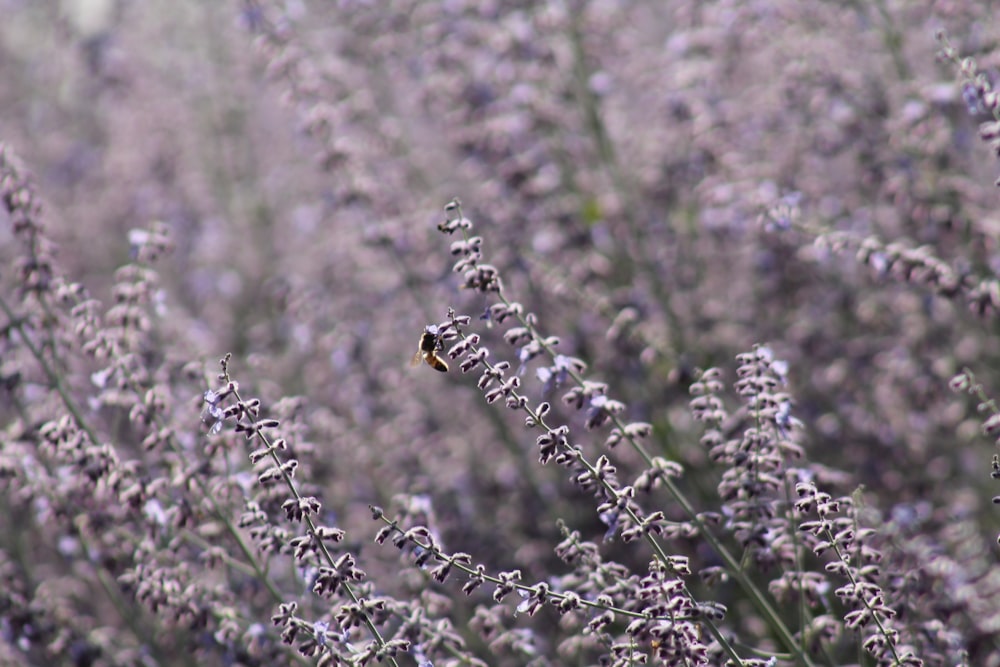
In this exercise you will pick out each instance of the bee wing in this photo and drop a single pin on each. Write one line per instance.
(417, 358)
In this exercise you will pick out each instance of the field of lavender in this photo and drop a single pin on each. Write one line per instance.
(499, 332)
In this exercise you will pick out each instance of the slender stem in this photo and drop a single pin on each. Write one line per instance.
(17, 324)
(311, 527)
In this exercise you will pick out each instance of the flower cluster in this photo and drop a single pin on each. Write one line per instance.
(599, 461)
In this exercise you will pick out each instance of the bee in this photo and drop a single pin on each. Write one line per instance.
(427, 349)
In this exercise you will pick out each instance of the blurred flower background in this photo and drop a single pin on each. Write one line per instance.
(660, 184)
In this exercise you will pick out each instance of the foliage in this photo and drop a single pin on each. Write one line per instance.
(718, 302)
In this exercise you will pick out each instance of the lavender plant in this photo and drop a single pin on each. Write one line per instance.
(727, 259)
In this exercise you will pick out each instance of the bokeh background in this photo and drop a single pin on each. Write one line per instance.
(663, 184)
